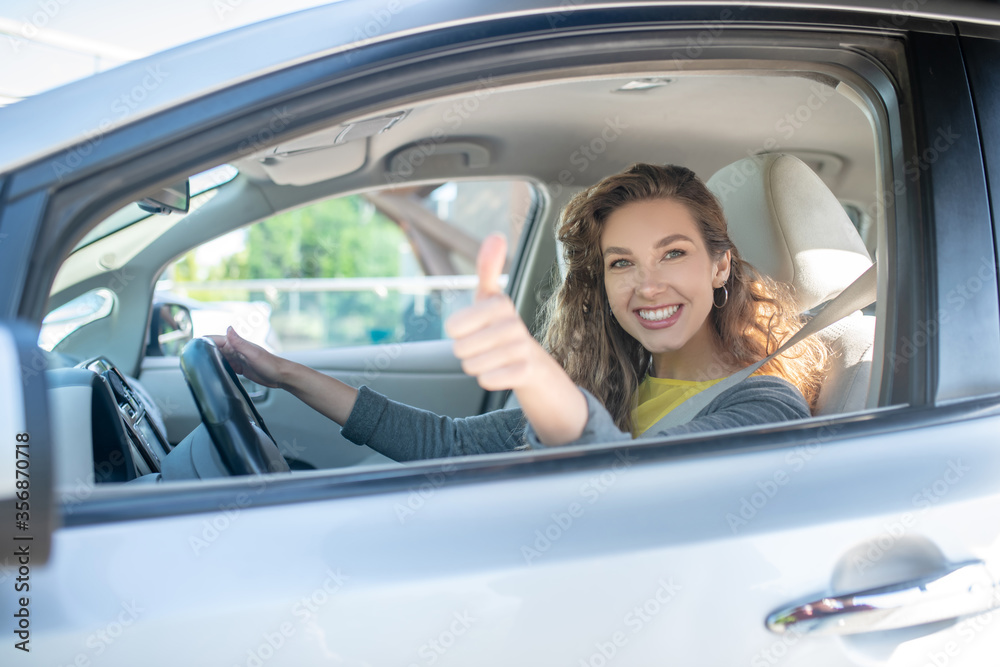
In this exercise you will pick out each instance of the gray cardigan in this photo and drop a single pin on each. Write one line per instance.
(405, 433)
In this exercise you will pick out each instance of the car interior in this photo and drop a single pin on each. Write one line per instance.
(796, 156)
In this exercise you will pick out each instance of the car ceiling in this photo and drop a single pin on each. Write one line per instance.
(532, 130)
(703, 121)
(536, 130)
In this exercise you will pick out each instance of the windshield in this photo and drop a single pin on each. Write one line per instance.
(131, 214)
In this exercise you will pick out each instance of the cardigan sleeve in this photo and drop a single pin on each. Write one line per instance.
(405, 433)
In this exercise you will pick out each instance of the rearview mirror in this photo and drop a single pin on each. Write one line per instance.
(26, 484)
(173, 198)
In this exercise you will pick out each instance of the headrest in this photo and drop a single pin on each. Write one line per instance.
(785, 221)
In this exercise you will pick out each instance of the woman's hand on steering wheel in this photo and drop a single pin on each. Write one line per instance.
(250, 360)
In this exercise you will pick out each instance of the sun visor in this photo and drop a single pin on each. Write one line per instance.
(318, 164)
(329, 153)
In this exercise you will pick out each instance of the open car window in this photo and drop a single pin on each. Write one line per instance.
(344, 243)
(352, 269)
(386, 266)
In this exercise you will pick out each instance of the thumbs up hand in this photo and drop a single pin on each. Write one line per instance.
(495, 347)
(491, 340)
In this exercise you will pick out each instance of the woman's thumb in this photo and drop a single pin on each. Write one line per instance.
(489, 265)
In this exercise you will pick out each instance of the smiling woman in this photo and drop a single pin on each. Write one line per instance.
(676, 302)
(658, 237)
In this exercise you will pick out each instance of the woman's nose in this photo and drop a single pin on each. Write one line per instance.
(649, 283)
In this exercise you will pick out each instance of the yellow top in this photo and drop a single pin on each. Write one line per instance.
(658, 396)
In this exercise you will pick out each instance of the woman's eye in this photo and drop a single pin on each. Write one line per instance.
(619, 263)
(674, 254)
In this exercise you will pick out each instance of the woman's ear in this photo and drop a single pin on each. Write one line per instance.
(723, 265)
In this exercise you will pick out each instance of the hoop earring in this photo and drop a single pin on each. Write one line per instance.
(725, 297)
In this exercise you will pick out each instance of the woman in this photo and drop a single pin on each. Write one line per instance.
(656, 306)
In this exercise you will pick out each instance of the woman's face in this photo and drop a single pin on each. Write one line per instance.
(660, 278)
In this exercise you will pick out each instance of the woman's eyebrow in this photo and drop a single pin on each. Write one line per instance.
(666, 240)
(616, 250)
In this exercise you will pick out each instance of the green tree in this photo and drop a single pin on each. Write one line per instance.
(336, 238)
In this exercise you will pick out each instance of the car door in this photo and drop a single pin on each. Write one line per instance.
(645, 553)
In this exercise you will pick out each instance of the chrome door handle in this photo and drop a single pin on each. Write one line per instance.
(965, 588)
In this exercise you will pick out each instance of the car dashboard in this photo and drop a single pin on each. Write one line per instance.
(143, 428)
(106, 428)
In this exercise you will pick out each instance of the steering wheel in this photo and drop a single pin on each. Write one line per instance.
(240, 436)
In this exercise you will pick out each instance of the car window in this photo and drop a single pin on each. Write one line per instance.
(67, 318)
(385, 266)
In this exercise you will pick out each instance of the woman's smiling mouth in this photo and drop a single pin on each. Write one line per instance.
(658, 317)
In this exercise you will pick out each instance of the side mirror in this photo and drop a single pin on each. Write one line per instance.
(176, 197)
(27, 517)
(170, 328)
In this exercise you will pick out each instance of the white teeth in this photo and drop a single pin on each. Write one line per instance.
(658, 314)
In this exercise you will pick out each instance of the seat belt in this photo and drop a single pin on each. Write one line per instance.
(856, 296)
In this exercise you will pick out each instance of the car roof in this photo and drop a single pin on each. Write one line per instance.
(40, 125)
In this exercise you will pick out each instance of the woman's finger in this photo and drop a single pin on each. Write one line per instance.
(500, 332)
(479, 315)
(517, 353)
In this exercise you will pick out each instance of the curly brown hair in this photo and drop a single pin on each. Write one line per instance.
(601, 357)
